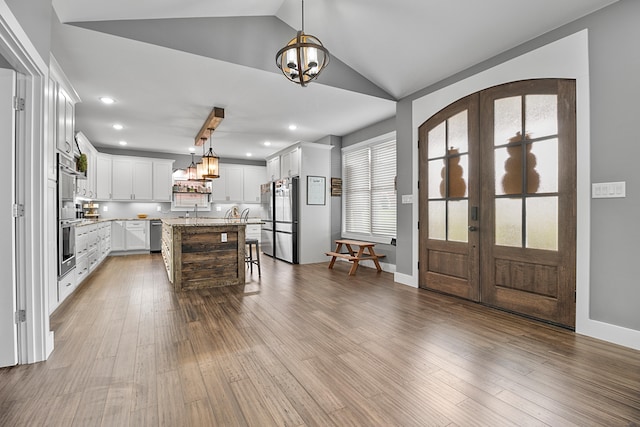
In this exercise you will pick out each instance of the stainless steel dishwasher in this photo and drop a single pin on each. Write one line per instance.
(155, 236)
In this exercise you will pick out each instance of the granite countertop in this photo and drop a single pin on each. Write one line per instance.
(203, 222)
(174, 221)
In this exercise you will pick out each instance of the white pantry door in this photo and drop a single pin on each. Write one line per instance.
(8, 298)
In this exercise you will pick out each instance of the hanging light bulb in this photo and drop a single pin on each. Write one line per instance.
(303, 58)
(192, 174)
(210, 161)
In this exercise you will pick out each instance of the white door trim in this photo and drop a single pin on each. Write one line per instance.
(36, 340)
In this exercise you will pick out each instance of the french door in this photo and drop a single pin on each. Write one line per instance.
(497, 199)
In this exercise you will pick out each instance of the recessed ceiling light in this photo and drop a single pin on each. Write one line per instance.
(118, 126)
(267, 143)
(293, 127)
(249, 154)
(123, 143)
(107, 100)
(192, 149)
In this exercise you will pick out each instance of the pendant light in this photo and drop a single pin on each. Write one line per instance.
(200, 168)
(210, 161)
(192, 174)
(303, 58)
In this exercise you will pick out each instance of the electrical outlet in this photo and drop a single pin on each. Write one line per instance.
(105, 208)
(218, 208)
(223, 237)
(158, 208)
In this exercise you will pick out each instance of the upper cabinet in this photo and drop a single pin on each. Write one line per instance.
(63, 115)
(162, 181)
(86, 187)
(238, 184)
(273, 168)
(133, 178)
(103, 178)
(290, 163)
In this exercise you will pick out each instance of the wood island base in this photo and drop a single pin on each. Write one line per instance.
(203, 253)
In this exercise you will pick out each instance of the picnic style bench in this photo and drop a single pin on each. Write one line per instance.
(353, 256)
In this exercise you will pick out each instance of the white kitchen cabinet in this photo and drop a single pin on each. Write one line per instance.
(290, 163)
(117, 235)
(86, 186)
(67, 285)
(103, 176)
(64, 135)
(131, 178)
(162, 181)
(229, 187)
(238, 184)
(273, 168)
(235, 183)
(135, 178)
(254, 176)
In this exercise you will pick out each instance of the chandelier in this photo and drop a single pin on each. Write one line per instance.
(303, 58)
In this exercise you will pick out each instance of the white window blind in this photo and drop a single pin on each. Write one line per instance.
(369, 199)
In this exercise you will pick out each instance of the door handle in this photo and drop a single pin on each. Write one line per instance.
(473, 228)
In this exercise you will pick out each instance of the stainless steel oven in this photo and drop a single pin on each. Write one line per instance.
(66, 246)
(66, 215)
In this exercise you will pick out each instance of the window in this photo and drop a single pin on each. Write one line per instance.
(369, 197)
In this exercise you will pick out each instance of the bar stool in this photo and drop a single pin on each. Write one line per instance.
(249, 258)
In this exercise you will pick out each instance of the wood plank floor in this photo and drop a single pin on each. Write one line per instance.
(306, 345)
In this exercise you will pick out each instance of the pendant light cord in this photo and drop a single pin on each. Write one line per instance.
(303, 16)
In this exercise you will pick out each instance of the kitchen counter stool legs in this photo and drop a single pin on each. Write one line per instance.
(249, 258)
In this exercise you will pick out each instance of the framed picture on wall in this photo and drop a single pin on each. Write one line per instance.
(316, 189)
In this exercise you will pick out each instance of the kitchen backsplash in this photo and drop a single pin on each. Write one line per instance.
(132, 209)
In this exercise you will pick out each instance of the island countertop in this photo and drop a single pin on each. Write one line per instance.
(203, 252)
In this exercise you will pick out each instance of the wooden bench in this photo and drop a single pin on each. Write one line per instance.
(353, 256)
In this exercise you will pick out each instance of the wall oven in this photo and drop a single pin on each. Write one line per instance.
(66, 247)
(66, 216)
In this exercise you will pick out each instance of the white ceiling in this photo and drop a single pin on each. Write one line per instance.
(167, 75)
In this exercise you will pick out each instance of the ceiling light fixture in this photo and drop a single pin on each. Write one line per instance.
(293, 127)
(192, 172)
(107, 100)
(118, 126)
(267, 143)
(123, 143)
(303, 58)
(200, 168)
(210, 161)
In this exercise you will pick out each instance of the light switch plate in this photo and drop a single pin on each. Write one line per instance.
(158, 208)
(223, 237)
(407, 199)
(105, 208)
(608, 190)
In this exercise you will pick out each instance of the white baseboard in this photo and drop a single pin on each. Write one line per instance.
(405, 279)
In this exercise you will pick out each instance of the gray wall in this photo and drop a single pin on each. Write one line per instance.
(35, 18)
(614, 67)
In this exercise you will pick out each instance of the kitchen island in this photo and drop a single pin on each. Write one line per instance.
(203, 252)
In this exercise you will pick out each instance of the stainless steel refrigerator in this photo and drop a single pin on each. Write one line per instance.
(286, 219)
(267, 237)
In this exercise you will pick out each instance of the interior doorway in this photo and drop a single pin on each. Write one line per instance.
(497, 199)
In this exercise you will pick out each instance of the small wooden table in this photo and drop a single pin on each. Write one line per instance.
(353, 256)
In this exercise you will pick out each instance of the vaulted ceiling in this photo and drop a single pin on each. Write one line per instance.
(169, 62)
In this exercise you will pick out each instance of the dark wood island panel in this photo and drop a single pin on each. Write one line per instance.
(203, 253)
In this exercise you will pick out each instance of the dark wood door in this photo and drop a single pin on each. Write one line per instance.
(497, 199)
(449, 197)
(528, 198)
